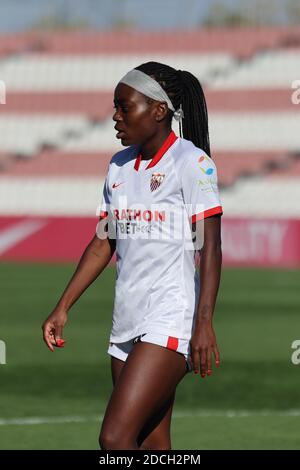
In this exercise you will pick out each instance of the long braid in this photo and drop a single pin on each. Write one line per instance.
(183, 88)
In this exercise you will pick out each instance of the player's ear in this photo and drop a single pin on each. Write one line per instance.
(161, 110)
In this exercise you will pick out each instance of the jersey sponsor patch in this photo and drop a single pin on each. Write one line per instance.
(204, 160)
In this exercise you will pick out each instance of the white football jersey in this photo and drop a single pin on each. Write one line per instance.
(149, 205)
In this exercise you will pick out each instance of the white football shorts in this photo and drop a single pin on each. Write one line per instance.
(182, 346)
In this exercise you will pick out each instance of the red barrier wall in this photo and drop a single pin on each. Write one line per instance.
(245, 242)
(261, 242)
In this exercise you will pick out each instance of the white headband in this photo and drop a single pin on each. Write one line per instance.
(143, 83)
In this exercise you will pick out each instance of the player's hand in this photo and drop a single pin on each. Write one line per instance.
(203, 347)
(53, 327)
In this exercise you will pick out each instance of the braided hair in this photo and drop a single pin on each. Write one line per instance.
(184, 89)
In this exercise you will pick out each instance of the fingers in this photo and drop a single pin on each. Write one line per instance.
(52, 336)
(59, 342)
(195, 360)
(48, 336)
(209, 362)
(203, 363)
(199, 360)
(217, 355)
(52, 339)
(202, 360)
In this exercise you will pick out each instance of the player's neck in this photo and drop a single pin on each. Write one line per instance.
(150, 148)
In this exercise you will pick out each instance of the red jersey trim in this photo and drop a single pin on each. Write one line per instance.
(207, 213)
(102, 215)
(172, 343)
(172, 137)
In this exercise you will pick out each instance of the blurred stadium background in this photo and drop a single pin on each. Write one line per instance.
(60, 63)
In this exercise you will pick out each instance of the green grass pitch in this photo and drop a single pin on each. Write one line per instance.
(251, 402)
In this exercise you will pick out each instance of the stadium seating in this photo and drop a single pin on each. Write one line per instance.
(56, 128)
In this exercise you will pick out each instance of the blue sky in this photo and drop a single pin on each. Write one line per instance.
(19, 15)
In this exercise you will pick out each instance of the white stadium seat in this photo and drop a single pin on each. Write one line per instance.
(239, 130)
(270, 69)
(25, 134)
(96, 72)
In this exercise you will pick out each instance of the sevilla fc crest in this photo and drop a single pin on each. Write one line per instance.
(156, 180)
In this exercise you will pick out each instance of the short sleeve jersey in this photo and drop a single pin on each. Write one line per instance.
(151, 205)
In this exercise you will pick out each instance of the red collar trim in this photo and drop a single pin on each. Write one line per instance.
(172, 137)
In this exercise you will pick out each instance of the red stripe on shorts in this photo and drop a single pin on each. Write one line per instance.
(172, 343)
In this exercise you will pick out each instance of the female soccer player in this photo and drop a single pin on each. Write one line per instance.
(160, 208)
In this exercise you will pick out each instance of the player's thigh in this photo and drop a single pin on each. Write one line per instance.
(156, 433)
(116, 369)
(148, 379)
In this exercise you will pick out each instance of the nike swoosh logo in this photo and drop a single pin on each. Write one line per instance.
(115, 185)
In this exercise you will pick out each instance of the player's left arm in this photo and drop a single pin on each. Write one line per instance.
(203, 341)
(199, 183)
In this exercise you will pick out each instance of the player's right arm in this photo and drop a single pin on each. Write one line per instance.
(94, 259)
